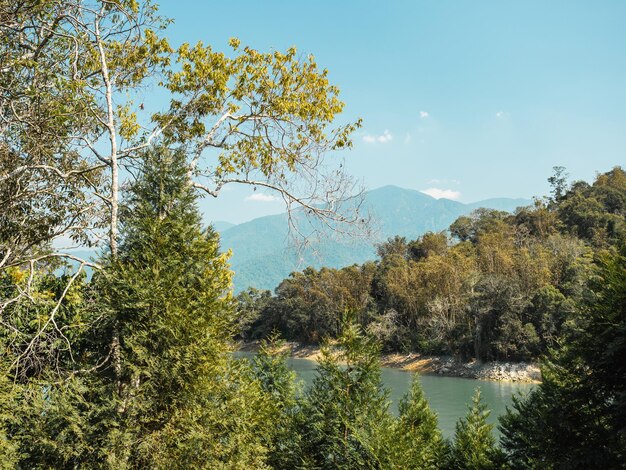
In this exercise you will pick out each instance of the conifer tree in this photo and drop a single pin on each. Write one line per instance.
(347, 408)
(576, 417)
(282, 434)
(182, 397)
(417, 442)
(474, 445)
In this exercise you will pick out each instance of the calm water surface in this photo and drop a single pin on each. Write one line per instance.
(448, 396)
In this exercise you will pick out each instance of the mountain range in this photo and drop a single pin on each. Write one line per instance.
(263, 254)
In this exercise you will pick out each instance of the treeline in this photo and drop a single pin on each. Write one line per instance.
(494, 286)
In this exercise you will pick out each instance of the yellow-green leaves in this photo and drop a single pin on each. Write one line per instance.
(127, 122)
(268, 112)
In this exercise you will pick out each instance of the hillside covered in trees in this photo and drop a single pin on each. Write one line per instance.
(264, 252)
(494, 286)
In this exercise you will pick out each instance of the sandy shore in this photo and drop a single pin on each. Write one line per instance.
(436, 365)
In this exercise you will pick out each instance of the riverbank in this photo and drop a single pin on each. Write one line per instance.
(435, 365)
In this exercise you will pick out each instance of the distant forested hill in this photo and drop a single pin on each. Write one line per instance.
(262, 256)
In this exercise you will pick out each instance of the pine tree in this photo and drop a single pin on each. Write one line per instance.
(417, 442)
(474, 445)
(179, 395)
(347, 408)
(282, 434)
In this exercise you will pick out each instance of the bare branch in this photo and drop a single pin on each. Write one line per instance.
(33, 341)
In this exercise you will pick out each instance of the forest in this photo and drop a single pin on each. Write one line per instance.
(125, 359)
(494, 286)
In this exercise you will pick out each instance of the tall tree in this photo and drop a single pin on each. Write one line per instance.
(72, 117)
(558, 183)
(181, 397)
(283, 428)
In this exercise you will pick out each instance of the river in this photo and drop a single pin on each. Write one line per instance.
(448, 396)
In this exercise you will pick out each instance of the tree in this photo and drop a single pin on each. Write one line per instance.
(346, 407)
(469, 228)
(428, 244)
(43, 178)
(394, 246)
(575, 418)
(178, 395)
(558, 183)
(474, 446)
(537, 220)
(251, 303)
(597, 212)
(416, 440)
(266, 114)
(169, 291)
(283, 432)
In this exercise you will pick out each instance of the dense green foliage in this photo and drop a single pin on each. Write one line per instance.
(173, 314)
(132, 365)
(346, 407)
(174, 392)
(496, 286)
(415, 439)
(282, 433)
(474, 446)
(343, 420)
(577, 417)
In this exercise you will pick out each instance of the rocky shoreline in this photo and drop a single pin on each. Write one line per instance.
(497, 371)
(435, 365)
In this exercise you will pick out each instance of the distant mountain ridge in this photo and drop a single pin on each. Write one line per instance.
(221, 225)
(262, 256)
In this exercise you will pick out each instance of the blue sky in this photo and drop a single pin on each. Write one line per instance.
(470, 100)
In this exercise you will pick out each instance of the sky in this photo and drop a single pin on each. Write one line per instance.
(467, 100)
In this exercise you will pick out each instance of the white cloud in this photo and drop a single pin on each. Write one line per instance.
(261, 197)
(381, 139)
(438, 193)
(424, 114)
(500, 114)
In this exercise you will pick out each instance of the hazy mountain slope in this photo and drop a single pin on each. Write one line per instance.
(501, 204)
(262, 256)
(221, 225)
